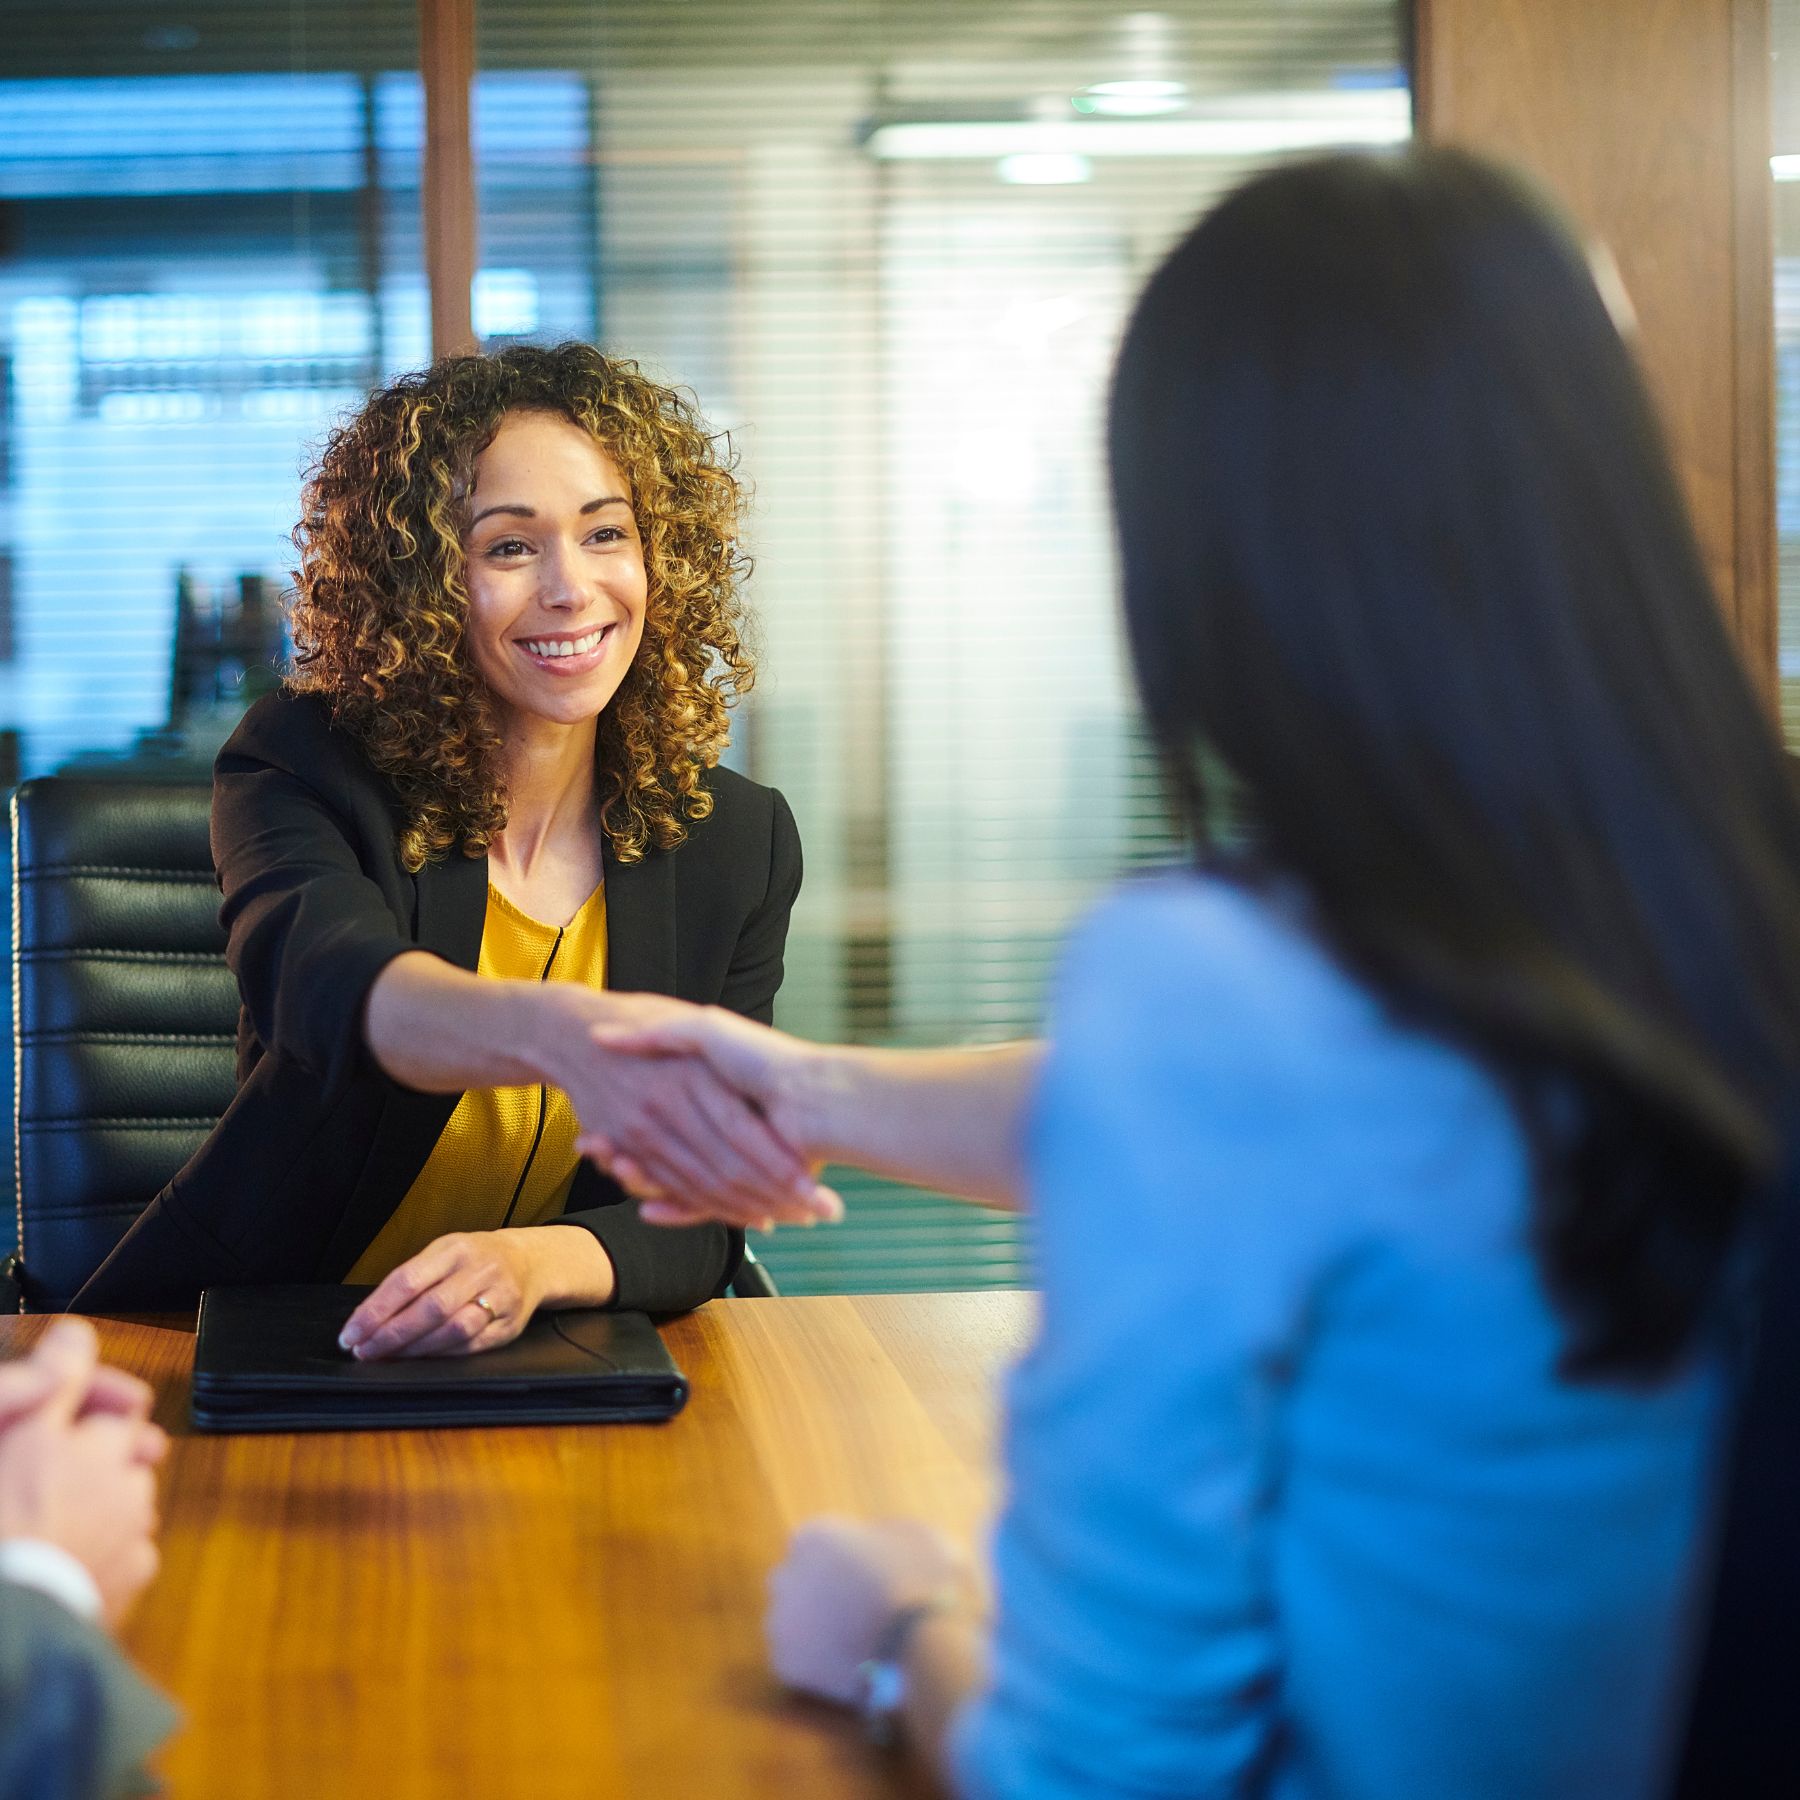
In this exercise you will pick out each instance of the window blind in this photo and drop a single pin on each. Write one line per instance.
(890, 246)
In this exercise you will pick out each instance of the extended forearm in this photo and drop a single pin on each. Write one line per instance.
(438, 1028)
(948, 1119)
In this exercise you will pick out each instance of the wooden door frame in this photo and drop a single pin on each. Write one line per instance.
(447, 182)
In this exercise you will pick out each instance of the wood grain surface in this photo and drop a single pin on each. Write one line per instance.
(1650, 121)
(551, 1610)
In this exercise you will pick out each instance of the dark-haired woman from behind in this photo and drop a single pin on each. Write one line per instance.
(489, 793)
(1393, 1173)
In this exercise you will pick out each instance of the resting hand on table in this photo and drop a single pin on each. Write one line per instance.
(26, 1382)
(836, 1598)
(77, 1461)
(469, 1291)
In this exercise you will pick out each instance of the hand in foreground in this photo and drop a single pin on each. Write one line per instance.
(775, 1074)
(26, 1382)
(465, 1292)
(840, 1590)
(77, 1464)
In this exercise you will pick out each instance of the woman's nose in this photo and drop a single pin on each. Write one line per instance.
(560, 579)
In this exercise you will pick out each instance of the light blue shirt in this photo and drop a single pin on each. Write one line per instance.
(1298, 1503)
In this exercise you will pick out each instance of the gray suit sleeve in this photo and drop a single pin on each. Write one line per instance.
(77, 1722)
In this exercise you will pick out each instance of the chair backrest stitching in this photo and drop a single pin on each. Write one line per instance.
(80, 1035)
(118, 1122)
(101, 953)
(109, 872)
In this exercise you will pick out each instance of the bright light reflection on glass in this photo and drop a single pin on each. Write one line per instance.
(1132, 99)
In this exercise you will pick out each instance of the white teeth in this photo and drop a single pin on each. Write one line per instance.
(565, 646)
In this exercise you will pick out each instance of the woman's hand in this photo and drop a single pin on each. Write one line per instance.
(780, 1079)
(466, 1292)
(835, 1598)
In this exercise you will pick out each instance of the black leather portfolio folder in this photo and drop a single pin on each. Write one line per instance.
(267, 1359)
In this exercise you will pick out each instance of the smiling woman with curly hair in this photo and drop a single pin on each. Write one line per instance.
(383, 594)
(489, 791)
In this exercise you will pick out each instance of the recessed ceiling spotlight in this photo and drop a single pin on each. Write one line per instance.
(1131, 99)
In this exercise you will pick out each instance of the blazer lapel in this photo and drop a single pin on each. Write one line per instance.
(451, 909)
(641, 937)
(449, 914)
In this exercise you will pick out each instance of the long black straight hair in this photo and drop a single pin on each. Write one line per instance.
(1404, 555)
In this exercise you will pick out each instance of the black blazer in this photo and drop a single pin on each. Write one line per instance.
(319, 1145)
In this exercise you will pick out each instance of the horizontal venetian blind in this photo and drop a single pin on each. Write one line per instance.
(890, 247)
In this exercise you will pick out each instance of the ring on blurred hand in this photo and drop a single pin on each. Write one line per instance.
(487, 1306)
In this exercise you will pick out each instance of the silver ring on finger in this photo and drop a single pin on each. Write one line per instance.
(487, 1306)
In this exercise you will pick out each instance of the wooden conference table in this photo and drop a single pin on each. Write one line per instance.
(551, 1610)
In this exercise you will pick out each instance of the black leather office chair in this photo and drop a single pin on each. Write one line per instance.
(124, 1013)
(125, 1017)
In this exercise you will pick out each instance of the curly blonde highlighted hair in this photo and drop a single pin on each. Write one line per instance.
(382, 596)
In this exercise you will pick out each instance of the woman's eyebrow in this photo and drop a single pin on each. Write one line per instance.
(514, 510)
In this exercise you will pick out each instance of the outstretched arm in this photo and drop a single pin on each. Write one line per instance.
(949, 1119)
(438, 1028)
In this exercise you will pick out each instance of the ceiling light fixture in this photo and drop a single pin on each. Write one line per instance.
(1044, 168)
(1247, 126)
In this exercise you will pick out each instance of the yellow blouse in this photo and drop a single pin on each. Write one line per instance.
(507, 1155)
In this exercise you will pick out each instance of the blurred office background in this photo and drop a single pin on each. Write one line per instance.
(889, 243)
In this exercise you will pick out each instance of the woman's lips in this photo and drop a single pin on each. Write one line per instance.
(578, 664)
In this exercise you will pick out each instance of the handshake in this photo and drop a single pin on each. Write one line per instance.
(700, 1114)
(712, 1117)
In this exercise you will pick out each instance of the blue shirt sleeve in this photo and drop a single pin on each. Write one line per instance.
(1184, 1215)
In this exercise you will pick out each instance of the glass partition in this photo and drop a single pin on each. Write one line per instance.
(888, 243)
(891, 247)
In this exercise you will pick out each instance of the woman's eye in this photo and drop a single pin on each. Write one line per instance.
(608, 534)
(507, 547)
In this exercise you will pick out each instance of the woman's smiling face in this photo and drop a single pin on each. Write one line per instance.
(557, 586)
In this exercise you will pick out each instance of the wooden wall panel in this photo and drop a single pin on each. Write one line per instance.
(1650, 119)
